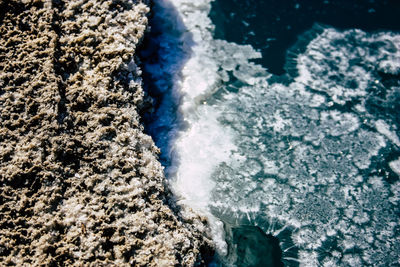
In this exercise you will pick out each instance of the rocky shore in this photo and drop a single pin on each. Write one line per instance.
(80, 182)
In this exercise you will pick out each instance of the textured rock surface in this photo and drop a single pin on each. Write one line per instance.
(80, 182)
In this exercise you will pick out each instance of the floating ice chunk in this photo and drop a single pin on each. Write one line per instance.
(317, 100)
(395, 166)
(339, 123)
(307, 258)
(384, 129)
(270, 166)
(395, 189)
(374, 142)
(278, 124)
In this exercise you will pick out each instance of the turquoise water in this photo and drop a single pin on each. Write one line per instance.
(295, 160)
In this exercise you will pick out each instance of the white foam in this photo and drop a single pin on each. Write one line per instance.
(200, 148)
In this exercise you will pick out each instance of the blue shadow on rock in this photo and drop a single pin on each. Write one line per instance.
(163, 54)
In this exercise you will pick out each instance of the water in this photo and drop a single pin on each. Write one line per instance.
(298, 165)
(272, 27)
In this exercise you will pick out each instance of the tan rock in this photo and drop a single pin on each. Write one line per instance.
(80, 181)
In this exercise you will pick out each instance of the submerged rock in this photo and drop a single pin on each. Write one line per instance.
(255, 248)
(80, 181)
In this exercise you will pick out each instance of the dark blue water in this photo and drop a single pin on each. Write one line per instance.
(279, 121)
(273, 27)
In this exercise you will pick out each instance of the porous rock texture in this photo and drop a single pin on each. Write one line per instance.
(80, 181)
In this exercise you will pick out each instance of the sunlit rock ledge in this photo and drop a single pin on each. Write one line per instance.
(80, 182)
